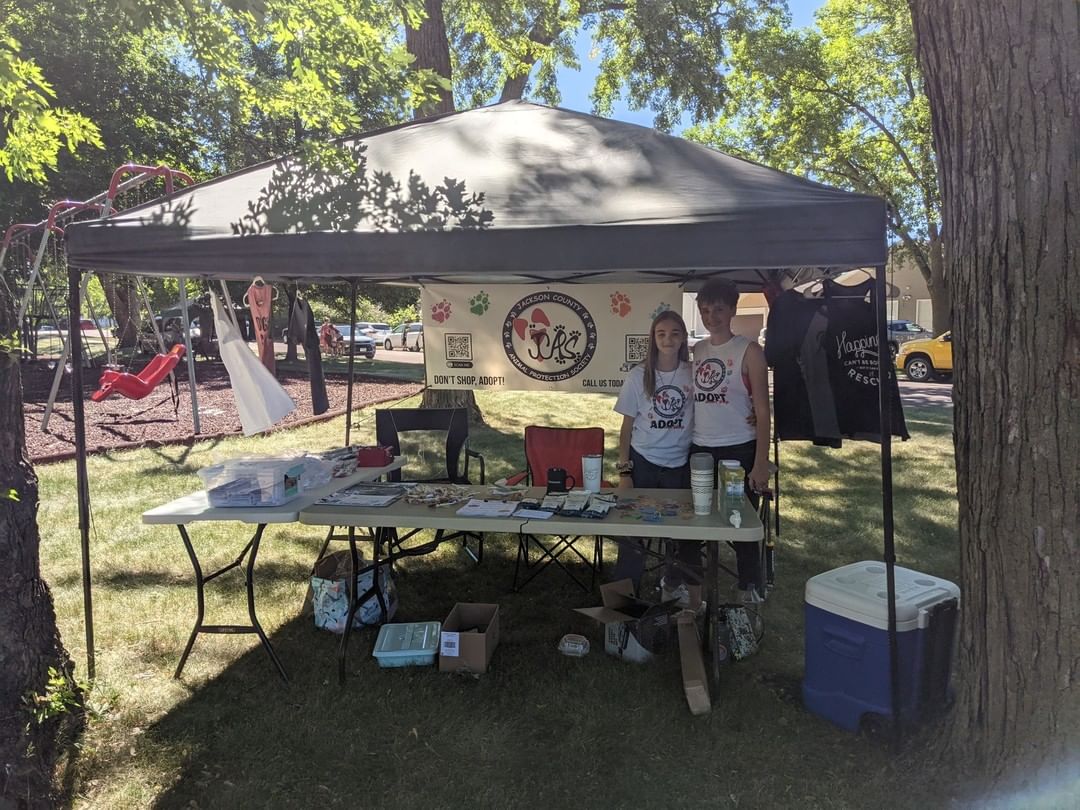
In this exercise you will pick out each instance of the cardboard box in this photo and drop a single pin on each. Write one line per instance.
(469, 636)
(634, 629)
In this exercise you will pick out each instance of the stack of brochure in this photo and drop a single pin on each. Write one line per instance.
(365, 495)
(577, 501)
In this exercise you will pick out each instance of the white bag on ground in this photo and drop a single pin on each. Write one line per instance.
(260, 399)
(330, 597)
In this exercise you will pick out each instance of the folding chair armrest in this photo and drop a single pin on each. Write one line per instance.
(516, 478)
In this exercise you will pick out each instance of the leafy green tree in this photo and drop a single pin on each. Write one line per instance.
(33, 132)
(844, 103)
(661, 56)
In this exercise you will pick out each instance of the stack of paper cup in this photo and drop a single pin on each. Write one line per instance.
(702, 472)
(591, 469)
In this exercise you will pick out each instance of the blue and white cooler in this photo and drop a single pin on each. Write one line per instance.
(847, 644)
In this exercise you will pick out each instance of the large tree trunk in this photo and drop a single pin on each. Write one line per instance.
(1003, 81)
(123, 298)
(429, 45)
(29, 640)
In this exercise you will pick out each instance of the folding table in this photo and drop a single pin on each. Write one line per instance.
(196, 508)
(712, 529)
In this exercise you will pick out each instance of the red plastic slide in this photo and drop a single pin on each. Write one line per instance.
(137, 386)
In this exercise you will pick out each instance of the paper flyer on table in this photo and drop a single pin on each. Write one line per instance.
(477, 507)
(364, 496)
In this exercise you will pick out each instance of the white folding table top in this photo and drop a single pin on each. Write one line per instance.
(713, 527)
(196, 506)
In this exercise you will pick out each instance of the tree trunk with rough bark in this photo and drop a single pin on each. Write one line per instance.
(29, 640)
(1003, 81)
(124, 302)
(429, 45)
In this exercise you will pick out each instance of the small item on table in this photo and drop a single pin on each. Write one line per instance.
(373, 456)
(343, 460)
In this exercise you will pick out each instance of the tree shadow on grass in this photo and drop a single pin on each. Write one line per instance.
(593, 731)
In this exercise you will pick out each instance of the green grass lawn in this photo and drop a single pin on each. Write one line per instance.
(539, 728)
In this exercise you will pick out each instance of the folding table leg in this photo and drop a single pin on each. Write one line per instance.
(354, 603)
(251, 552)
(712, 587)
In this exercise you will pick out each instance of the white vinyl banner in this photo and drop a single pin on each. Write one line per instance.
(516, 337)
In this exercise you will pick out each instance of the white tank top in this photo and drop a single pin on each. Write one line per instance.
(722, 401)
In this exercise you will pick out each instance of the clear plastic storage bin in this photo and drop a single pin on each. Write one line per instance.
(407, 645)
(253, 481)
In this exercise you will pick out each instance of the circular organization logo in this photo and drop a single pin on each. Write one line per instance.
(710, 374)
(668, 401)
(549, 336)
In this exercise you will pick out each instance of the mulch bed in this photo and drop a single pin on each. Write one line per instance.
(125, 423)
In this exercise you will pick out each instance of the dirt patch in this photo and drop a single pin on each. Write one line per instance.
(119, 423)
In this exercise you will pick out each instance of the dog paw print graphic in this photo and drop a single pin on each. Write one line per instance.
(479, 303)
(440, 312)
(620, 304)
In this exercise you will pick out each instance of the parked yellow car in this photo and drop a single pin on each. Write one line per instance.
(921, 360)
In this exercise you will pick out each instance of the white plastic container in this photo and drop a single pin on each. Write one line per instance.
(252, 481)
(407, 645)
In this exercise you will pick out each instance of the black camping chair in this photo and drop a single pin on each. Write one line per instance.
(392, 424)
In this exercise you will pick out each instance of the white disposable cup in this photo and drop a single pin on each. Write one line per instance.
(591, 469)
(703, 499)
(702, 462)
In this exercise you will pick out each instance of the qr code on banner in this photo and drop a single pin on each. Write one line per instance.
(459, 347)
(637, 347)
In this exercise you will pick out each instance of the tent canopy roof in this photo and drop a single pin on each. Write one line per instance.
(514, 192)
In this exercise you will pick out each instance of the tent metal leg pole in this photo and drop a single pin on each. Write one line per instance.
(885, 416)
(190, 358)
(65, 353)
(352, 363)
(82, 480)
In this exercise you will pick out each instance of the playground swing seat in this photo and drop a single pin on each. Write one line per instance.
(137, 386)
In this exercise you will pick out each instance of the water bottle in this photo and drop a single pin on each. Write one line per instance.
(731, 479)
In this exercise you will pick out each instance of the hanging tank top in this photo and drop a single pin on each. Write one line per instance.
(722, 401)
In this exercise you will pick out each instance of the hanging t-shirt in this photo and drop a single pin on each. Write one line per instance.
(852, 348)
(302, 324)
(663, 423)
(824, 355)
(795, 349)
(260, 298)
(722, 403)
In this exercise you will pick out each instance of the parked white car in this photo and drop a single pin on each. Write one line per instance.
(405, 336)
(378, 332)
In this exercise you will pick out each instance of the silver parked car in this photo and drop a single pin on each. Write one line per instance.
(903, 331)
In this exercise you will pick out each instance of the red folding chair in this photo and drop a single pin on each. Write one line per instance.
(547, 447)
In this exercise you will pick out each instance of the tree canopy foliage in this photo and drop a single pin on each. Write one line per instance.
(842, 102)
